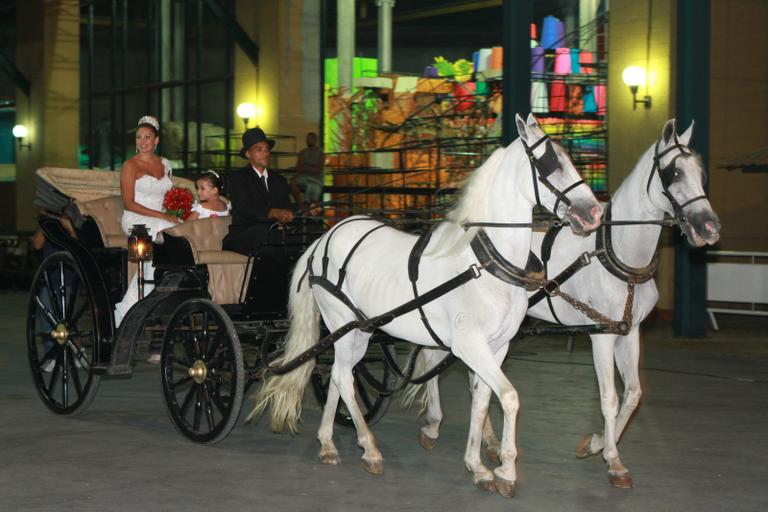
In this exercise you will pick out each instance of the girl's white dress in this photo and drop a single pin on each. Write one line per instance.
(149, 192)
(205, 213)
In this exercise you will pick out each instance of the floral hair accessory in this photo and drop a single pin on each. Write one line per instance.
(150, 120)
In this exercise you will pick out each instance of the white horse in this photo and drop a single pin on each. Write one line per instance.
(475, 321)
(668, 179)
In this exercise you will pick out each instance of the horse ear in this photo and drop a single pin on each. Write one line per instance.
(521, 127)
(668, 131)
(532, 121)
(685, 138)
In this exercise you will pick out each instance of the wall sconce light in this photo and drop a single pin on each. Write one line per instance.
(246, 111)
(634, 77)
(20, 131)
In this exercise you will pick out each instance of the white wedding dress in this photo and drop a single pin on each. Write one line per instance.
(148, 192)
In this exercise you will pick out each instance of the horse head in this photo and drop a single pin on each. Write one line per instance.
(677, 184)
(557, 185)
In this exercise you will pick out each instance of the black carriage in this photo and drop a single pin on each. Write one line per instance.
(221, 315)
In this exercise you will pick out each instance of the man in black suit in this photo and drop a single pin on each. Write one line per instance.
(260, 197)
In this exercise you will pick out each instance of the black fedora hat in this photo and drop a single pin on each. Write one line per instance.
(254, 136)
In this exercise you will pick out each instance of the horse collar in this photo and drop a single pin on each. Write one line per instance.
(608, 258)
(491, 260)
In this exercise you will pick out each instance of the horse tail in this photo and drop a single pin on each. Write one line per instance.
(415, 394)
(284, 393)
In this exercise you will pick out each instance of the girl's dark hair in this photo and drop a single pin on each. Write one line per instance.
(213, 178)
(147, 125)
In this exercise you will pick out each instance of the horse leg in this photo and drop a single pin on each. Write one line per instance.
(328, 452)
(478, 356)
(433, 415)
(491, 442)
(349, 351)
(482, 477)
(602, 354)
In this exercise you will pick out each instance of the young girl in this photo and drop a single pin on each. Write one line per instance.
(209, 186)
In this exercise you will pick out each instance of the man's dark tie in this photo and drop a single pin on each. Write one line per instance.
(264, 182)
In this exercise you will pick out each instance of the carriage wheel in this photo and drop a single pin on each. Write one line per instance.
(202, 371)
(61, 336)
(374, 382)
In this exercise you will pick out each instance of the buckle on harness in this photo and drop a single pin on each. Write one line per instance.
(551, 288)
(475, 270)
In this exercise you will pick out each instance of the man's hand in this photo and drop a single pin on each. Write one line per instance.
(281, 214)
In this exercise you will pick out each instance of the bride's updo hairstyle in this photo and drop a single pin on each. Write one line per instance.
(150, 122)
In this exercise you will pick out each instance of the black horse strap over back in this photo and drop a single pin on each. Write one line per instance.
(607, 256)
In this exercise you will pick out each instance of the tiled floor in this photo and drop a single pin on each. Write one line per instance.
(699, 441)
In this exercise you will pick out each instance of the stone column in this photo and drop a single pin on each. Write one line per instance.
(345, 42)
(48, 54)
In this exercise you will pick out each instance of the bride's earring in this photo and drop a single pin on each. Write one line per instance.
(137, 148)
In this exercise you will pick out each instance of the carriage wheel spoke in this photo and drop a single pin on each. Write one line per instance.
(65, 378)
(52, 299)
(48, 355)
(72, 298)
(208, 408)
(80, 354)
(47, 311)
(76, 376)
(187, 401)
(62, 292)
(198, 408)
(220, 405)
(54, 375)
(204, 334)
(181, 381)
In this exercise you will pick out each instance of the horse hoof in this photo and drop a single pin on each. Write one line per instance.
(426, 442)
(621, 481)
(584, 449)
(332, 459)
(493, 455)
(374, 467)
(504, 486)
(485, 485)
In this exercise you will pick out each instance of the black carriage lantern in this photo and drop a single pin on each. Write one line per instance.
(140, 250)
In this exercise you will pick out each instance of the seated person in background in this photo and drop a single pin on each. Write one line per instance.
(209, 187)
(309, 172)
(260, 197)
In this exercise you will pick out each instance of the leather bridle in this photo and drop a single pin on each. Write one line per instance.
(546, 165)
(666, 177)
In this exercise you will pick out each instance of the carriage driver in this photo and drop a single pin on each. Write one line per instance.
(259, 197)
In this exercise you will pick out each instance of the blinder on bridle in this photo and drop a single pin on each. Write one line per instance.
(669, 174)
(546, 164)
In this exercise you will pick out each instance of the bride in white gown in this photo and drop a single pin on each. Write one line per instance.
(144, 180)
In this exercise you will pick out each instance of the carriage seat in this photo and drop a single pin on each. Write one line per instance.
(106, 212)
(226, 269)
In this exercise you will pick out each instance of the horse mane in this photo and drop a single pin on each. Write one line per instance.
(471, 204)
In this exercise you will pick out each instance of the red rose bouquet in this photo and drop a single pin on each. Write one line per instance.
(178, 202)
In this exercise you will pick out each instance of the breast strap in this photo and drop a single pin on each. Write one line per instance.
(608, 258)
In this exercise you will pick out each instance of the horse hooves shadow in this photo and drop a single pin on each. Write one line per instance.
(426, 442)
(621, 481)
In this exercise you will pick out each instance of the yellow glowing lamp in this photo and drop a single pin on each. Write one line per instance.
(139, 244)
(634, 77)
(246, 111)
